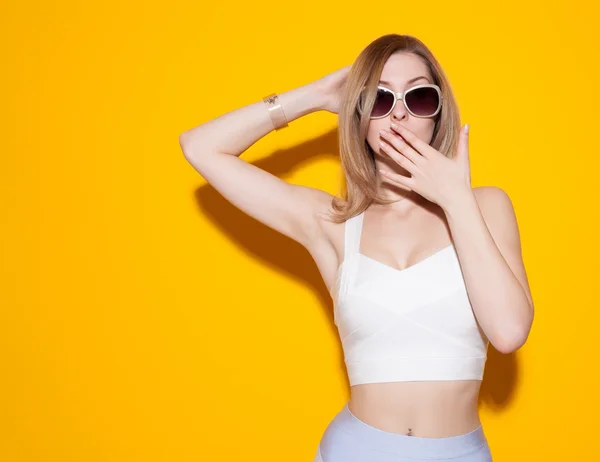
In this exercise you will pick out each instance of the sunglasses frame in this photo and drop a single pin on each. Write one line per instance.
(401, 96)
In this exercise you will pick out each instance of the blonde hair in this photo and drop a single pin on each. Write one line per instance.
(357, 157)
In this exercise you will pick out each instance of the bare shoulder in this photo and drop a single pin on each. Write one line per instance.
(493, 201)
(499, 215)
(489, 191)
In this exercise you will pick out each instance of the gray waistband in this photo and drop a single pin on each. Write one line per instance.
(409, 446)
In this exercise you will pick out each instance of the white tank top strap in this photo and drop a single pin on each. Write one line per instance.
(352, 233)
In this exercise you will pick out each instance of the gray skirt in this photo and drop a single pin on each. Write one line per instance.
(349, 439)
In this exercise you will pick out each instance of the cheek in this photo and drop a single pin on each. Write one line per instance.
(373, 136)
(373, 140)
(424, 130)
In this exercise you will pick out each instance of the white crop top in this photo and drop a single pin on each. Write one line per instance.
(405, 325)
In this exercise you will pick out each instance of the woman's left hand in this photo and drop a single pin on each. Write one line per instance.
(434, 176)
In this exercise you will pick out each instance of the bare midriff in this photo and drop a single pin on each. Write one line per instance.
(432, 409)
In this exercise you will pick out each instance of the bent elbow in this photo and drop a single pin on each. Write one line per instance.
(511, 344)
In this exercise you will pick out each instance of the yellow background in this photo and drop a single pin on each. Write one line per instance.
(146, 319)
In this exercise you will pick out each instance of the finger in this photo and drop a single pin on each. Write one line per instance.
(398, 157)
(417, 143)
(398, 179)
(404, 148)
(462, 152)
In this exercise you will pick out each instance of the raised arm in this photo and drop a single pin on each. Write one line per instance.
(214, 150)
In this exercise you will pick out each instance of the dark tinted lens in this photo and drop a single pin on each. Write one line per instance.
(383, 103)
(422, 101)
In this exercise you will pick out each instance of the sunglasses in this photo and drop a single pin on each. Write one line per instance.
(420, 100)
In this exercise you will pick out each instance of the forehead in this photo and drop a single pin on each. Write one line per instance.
(400, 68)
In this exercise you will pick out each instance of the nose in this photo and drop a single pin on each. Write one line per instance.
(399, 113)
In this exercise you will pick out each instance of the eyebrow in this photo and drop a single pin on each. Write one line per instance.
(410, 81)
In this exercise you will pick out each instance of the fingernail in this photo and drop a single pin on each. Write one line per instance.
(467, 128)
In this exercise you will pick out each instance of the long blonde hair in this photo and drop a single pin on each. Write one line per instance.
(357, 157)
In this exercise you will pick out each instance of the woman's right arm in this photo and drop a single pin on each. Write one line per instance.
(214, 147)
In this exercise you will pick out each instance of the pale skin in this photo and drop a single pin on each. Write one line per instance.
(436, 205)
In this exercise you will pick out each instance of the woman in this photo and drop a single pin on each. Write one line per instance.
(424, 270)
